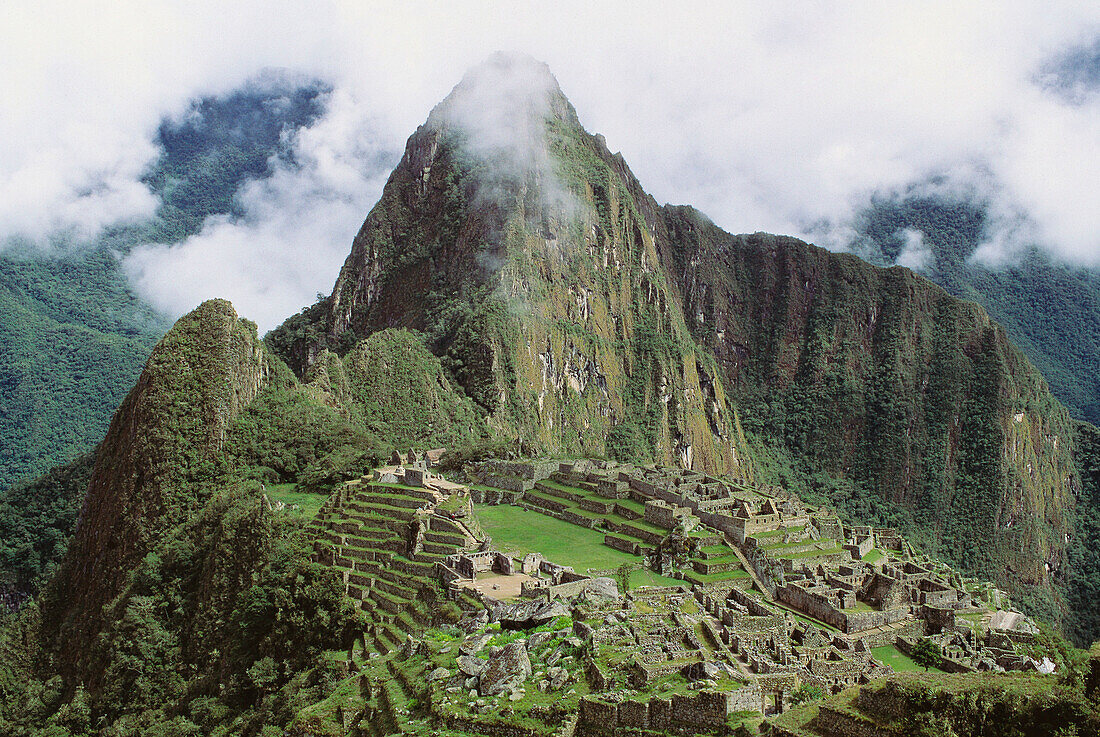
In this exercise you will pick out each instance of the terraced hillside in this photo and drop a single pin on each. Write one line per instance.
(385, 539)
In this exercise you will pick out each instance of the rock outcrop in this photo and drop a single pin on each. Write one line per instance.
(507, 670)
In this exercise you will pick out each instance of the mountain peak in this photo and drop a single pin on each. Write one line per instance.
(506, 84)
(501, 107)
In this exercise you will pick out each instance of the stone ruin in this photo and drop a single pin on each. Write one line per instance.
(818, 598)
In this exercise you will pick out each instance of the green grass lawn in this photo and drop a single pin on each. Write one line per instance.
(896, 659)
(308, 504)
(562, 487)
(874, 555)
(777, 532)
(705, 578)
(518, 532)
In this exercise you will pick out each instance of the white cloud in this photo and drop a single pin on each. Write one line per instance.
(915, 254)
(296, 228)
(782, 116)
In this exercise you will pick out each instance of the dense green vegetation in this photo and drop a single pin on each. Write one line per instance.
(222, 625)
(73, 337)
(401, 392)
(1082, 574)
(223, 619)
(73, 334)
(1050, 309)
(971, 705)
(36, 521)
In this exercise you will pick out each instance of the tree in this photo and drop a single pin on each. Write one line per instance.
(926, 653)
(806, 692)
(622, 573)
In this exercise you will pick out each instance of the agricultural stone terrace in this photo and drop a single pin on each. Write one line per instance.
(767, 595)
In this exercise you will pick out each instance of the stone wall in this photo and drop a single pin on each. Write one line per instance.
(579, 519)
(860, 547)
(624, 528)
(509, 483)
(682, 714)
(493, 496)
(888, 636)
(885, 592)
(754, 606)
(938, 619)
(612, 488)
(937, 595)
(488, 727)
(621, 543)
(812, 604)
(663, 514)
(817, 606)
(597, 506)
(889, 539)
(860, 621)
(568, 589)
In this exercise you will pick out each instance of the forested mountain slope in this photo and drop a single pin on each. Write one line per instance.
(1050, 309)
(73, 333)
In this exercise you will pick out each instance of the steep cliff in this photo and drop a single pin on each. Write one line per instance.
(524, 250)
(880, 377)
(163, 443)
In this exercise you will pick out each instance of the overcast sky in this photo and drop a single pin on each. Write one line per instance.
(785, 117)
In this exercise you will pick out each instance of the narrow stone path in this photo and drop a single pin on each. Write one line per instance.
(748, 567)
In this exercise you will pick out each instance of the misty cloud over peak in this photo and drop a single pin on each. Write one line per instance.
(507, 90)
(498, 115)
(1073, 74)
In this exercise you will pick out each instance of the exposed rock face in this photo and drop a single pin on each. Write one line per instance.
(558, 677)
(600, 589)
(531, 267)
(473, 645)
(508, 669)
(528, 614)
(163, 441)
(471, 666)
